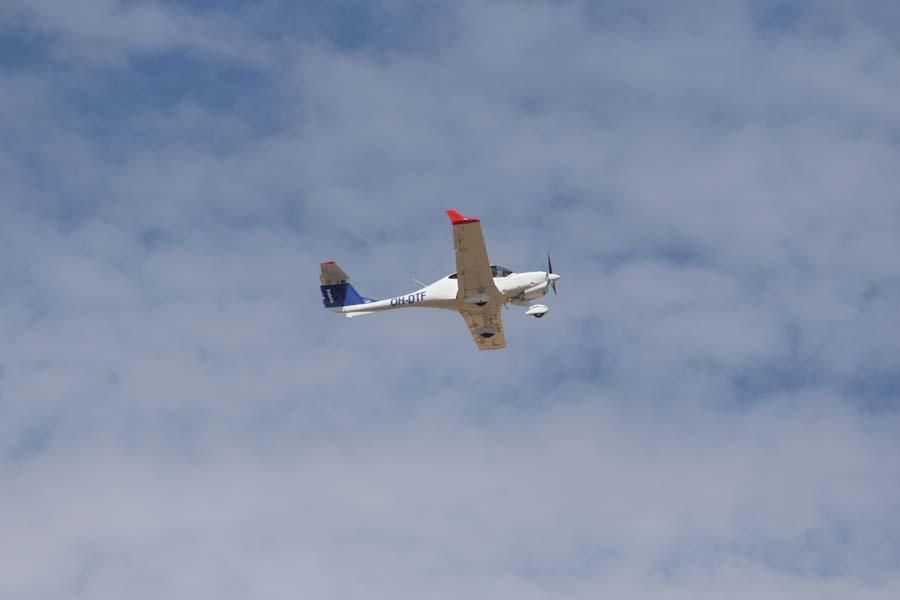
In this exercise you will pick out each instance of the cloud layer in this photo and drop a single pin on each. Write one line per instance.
(710, 409)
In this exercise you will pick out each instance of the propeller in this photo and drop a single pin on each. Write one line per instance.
(551, 280)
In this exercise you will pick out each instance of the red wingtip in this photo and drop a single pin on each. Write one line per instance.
(328, 262)
(458, 219)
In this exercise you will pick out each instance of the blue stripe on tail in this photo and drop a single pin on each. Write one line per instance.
(341, 294)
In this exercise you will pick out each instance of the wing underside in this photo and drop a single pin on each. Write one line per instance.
(486, 327)
(472, 267)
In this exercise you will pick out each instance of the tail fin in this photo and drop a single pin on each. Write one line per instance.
(336, 289)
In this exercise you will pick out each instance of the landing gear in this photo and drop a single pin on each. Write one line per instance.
(537, 311)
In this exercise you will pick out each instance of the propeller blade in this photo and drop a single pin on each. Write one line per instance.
(550, 272)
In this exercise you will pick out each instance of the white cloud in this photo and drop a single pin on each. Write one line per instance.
(107, 31)
(709, 410)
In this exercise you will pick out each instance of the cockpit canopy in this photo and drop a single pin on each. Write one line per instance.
(496, 271)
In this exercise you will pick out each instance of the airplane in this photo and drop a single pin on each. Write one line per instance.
(477, 290)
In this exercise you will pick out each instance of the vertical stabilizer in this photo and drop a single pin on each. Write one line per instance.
(336, 289)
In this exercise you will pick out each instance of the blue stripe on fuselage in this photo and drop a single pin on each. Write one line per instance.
(341, 294)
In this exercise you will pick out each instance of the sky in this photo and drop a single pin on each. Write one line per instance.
(711, 408)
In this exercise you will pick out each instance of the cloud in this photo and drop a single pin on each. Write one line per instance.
(710, 409)
(106, 32)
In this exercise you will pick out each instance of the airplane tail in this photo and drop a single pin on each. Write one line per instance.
(336, 289)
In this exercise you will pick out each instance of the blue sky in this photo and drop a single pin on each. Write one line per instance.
(710, 409)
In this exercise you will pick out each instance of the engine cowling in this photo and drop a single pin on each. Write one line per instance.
(535, 292)
(537, 311)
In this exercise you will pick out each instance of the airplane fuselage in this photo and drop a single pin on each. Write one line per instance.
(515, 288)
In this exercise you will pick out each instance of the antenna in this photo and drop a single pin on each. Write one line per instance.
(419, 282)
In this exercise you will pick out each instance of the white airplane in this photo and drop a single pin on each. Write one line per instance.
(477, 290)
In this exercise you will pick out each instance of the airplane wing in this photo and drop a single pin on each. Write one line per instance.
(486, 327)
(472, 267)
